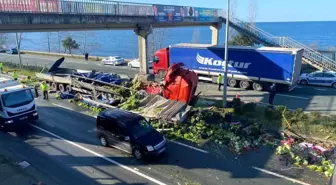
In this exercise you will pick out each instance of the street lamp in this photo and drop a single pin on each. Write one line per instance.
(226, 54)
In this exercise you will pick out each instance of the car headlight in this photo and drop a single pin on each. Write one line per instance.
(150, 148)
(9, 122)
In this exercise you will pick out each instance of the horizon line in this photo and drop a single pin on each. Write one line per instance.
(293, 21)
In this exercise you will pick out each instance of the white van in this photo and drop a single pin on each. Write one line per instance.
(17, 103)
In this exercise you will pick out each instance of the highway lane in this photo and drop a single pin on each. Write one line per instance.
(68, 164)
(181, 165)
(41, 60)
(308, 98)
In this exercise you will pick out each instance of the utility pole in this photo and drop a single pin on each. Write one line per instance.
(226, 54)
(18, 43)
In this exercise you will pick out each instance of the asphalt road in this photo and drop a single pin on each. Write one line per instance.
(63, 145)
(309, 98)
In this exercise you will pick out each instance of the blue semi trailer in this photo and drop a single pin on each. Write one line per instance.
(248, 67)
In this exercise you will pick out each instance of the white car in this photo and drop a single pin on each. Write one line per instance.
(136, 63)
(116, 60)
(319, 78)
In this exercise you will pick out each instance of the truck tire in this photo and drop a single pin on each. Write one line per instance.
(232, 82)
(53, 86)
(68, 88)
(258, 86)
(244, 84)
(61, 87)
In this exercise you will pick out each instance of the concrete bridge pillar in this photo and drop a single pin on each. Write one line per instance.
(215, 33)
(143, 32)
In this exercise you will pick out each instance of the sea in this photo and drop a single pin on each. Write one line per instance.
(124, 43)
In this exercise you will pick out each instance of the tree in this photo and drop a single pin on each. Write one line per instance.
(88, 42)
(69, 44)
(48, 40)
(3, 40)
(18, 46)
(252, 10)
(195, 36)
(239, 39)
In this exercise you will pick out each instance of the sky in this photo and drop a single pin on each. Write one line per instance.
(267, 10)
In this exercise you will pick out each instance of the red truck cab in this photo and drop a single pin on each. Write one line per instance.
(161, 61)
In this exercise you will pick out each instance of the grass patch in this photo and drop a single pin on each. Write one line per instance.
(26, 70)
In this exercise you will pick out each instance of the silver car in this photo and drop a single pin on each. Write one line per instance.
(116, 60)
(319, 78)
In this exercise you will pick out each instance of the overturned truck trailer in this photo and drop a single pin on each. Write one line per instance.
(152, 106)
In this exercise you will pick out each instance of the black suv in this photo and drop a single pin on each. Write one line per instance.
(129, 132)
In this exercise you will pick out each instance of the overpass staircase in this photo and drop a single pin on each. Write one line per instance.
(310, 55)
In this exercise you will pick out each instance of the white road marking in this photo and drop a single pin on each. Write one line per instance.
(318, 89)
(191, 147)
(101, 156)
(93, 130)
(24, 164)
(290, 96)
(280, 176)
(64, 107)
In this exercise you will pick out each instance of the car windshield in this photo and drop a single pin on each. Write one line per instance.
(117, 57)
(18, 98)
(141, 127)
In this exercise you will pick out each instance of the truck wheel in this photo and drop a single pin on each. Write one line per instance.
(232, 82)
(68, 88)
(244, 84)
(61, 87)
(258, 86)
(54, 86)
(304, 82)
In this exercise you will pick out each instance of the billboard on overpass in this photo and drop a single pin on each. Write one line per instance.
(18, 5)
(135, 10)
(78, 7)
(48, 5)
(165, 13)
(205, 14)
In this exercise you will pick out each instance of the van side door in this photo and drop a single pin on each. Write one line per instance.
(111, 126)
(124, 142)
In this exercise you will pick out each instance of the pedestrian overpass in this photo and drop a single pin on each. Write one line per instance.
(65, 15)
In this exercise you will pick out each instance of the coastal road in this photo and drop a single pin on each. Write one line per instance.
(309, 98)
(64, 146)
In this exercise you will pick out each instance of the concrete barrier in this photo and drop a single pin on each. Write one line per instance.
(91, 58)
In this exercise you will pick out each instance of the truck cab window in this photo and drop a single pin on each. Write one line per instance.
(156, 59)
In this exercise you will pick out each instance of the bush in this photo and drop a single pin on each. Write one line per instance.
(237, 106)
(249, 108)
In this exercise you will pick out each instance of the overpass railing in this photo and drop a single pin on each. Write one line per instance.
(311, 54)
(106, 7)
